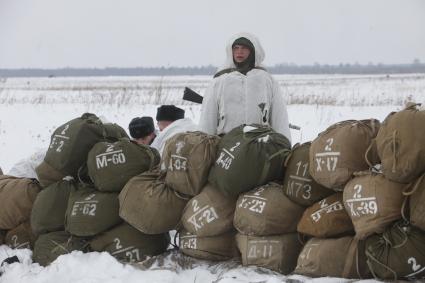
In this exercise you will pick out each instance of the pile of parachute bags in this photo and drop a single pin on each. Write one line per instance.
(348, 204)
(85, 168)
(372, 224)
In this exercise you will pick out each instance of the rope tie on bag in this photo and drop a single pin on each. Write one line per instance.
(407, 195)
(370, 256)
(394, 151)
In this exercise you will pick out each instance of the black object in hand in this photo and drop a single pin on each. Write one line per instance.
(192, 96)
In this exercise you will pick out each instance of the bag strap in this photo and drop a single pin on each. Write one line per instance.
(366, 155)
(352, 250)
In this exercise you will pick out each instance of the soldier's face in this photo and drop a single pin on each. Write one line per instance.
(240, 53)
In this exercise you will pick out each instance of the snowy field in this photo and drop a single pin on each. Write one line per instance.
(31, 108)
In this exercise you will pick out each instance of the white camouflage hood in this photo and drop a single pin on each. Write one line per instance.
(259, 51)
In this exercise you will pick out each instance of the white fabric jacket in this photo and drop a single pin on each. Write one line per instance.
(178, 126)
(26, 167)
(233, 99)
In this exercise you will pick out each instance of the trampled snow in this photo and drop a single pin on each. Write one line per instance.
(31, 109)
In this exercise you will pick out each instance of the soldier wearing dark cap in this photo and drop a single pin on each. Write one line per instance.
(170, 120)
(142, 130)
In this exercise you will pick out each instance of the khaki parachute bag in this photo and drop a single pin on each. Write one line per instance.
(398, 253)
(17, 196)
(91, 212)
(128, 244)
(217, 248)
(401, 144)
(50, 246)
(416, 197)
(340, 151)
(326, 219)
(266, 211)
(21, 237)
(373, 202)
(49, 208)
(111, 165)
(249, 156)
(335, 257)
(210, 213)
(70, 144)
(278, 253)
(187, 158)
(298, 185)
(149, 205)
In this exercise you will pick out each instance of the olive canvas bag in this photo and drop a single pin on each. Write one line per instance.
(373, 202)
(210, 213)
(91, 212)
(128, 244)
(71, 142)
(401, 144)
(327, 218)
(111, 164)
(216, 248)
(298, 185)
(334, 257)
(278, 253)
(149, 205)
(416, 198)
(17, 196)
(248, 156)
(50, 246)
(21, 237)
(266, 211)
(187, 158)
(398, 253)
(340, 151)
(49, 208)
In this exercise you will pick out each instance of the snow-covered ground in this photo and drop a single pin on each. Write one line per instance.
(31, 108)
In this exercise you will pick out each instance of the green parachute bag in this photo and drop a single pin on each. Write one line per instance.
(21, 237)
(278, 253)
(128, 244)
(398, 253)
(50, 246)
(249, 156)
(266, 211)
(49, 209)
(210, 213)
(70, 145)
(373, 202)
(334, 257)
(91, 212)
(401, 144)
(188, 158)
(327, 218)
(415, 193)
(111, 165)
(17, 196)
(216, 248)
(341, 150)
(298, 185)
(149, 205)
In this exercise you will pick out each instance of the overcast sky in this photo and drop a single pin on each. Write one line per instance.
(130, 33)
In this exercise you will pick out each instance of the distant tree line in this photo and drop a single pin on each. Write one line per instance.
(284, 68)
